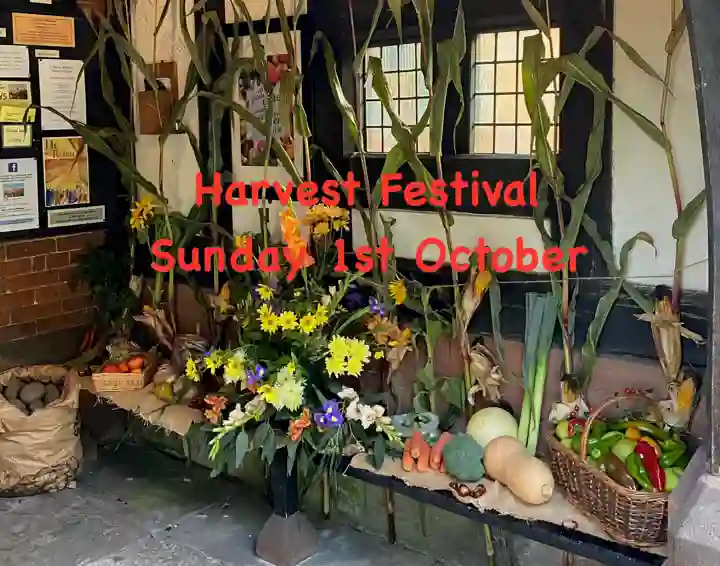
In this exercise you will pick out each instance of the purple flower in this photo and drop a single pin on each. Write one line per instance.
(376, 307)
(257, 375)
(330, 417)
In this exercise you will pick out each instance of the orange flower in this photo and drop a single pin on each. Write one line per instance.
(290, 226)
(217, 406)
(297, 427)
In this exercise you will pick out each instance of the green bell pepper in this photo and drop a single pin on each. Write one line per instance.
(683, 461)
(598, 429)
(635, 468)
(673, 450)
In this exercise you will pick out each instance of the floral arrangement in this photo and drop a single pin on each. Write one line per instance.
(289, 372)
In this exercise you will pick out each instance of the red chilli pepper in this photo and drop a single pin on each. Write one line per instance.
(652, 464)
(575, 426)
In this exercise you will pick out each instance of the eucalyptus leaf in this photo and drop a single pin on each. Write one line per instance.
(688, 216)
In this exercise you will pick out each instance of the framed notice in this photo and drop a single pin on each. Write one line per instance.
(37, 29)
(248, 143)
(66, 171)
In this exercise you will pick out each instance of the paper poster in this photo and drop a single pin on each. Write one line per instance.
(17, 136)
(16, 114)
(61, 90)
(15, 93)
(14, 62)
(3, 33)
(252, 95)
(18, 195)
(37, 29)
(75, 216)
(66, 171)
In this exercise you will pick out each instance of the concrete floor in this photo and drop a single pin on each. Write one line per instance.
(140, 508)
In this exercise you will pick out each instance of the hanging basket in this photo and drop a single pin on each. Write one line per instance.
(635, 518)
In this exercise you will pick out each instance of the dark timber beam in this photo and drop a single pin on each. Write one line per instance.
(703, 26)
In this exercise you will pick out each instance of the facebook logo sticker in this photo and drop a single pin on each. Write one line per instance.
(12, 167)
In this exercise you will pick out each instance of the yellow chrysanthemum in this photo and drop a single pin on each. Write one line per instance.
(265, 292)
(287, 320)
(339, 347)
(321, 315)
(321, 229)
(308, 323)
(141, 212)
(398, 291)
(264, 311)
(268, 394)
(191, 370)
(270, 324)
(335, 365)
(379, 355)
(358, 350)
(285, 395)
(354, 367)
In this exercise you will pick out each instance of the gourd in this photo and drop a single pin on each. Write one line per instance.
(528, 478)
(463, 458)
(489, 423)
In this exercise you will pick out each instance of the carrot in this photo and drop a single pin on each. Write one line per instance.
(416, 442)
(407, 460)
(436, 452)
(442, 466)
(423, 461)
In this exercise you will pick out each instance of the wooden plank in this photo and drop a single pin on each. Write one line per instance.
(703, 25)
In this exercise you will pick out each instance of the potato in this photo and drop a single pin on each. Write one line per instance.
(12, 389)
(33, 391)
(36, 406)
(20, 405)
(52, 393)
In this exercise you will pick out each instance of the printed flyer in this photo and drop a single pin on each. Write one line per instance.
(252, 95)
(18, 194)
(66, 171)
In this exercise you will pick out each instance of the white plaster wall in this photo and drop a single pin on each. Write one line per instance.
(642, 191)
(179, 164)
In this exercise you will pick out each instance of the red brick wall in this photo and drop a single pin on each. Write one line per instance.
(39, 287)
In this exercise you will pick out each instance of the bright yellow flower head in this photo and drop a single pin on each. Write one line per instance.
(354, 367)
(335, 365)
(270, 324)
(321, 315)
(241, 240)
(265, 292)
(398, 291)
(264, 311)
(214, 361)
(308, 323)
(339, 347)
(191, 370)
(379, 355)
(321, 229)
(358, 350)
(141, 212)
(287, 320)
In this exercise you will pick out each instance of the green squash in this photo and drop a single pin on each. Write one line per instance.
(463, 458)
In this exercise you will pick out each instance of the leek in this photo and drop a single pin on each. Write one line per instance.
(541, 311)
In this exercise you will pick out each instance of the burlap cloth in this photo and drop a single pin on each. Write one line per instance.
(497, 498)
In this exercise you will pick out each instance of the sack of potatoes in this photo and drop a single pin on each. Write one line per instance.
(40, 448)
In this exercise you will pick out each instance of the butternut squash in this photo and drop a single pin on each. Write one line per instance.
(528, 478)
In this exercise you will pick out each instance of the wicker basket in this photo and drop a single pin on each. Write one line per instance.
(109, 382)
(632, 517)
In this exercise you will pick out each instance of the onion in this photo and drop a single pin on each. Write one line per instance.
(490, 423)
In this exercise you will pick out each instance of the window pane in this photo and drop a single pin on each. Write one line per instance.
(507, 46)
(407, 57)
(507, 77)
(523, 116)
(392, 79)
(421, 87)
(374, 140)
(390, 58)
(484, 109)
(422, 105)
(373, 113)
(424, 141)
(485, 48)
(505, 109)
(388, 140)
(407, 85)
(523, 140)
(484, 78)
(483, 139)
(505, 139)
(407, 111)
